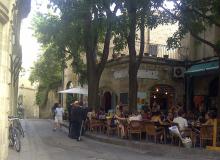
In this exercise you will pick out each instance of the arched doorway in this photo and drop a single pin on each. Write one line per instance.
(107, 101)
(163, 95)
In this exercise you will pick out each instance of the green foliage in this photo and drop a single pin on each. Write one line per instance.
(47, 71)
(193, 16)
(145, 9)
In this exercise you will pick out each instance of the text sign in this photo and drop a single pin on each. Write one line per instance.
(143, 74)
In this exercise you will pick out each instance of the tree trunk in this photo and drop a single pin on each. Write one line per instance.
(218, 96)
(93, 88)
(132, 55)
(133, 87)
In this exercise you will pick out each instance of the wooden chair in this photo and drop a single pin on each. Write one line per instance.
(153, 130)
(206, 134)
(96, 125)
(110, 128)
(135, 127)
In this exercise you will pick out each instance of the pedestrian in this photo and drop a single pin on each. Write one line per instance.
(69, 108)
(58, 116)
(76, 121)
(53, 110)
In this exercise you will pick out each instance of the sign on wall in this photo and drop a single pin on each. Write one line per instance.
(143, 74)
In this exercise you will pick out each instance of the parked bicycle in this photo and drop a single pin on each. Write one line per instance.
(15, 132)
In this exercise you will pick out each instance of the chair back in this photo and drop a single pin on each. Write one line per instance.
(150, 128)
(135, 124)
(206, 132)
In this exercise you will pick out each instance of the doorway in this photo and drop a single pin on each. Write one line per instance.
(162, 95)
(107, 99)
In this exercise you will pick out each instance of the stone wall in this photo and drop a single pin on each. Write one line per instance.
(199, 50)
(9, 38)
(45, 112)
(31, 109)
(5, 17)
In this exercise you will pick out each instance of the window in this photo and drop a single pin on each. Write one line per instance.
(124, 98)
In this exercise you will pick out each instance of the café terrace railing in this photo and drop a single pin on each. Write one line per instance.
(161, 51)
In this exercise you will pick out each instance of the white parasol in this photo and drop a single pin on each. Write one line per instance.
(76, 90)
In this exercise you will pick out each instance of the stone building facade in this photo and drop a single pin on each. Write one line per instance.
(27, 100)
(202, 73)
(157, 82)
(11, 14)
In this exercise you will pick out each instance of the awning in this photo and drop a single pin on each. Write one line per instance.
(76, 90)
(203, 68)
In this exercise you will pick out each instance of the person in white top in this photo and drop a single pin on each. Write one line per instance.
(136, 117)
(182, 122)
(58, 116)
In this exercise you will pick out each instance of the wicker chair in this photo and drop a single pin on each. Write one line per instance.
(135, 127)
(153, 130)
(96, 125)
(206, 134)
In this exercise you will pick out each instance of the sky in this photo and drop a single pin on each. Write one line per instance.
(30, 46)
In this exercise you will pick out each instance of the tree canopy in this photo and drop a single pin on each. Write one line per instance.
(194, 17)
(47, 72)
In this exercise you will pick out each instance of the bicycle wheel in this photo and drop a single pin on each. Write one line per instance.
(19, 127)
(17, 141)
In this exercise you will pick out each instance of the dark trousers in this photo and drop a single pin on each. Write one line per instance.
(75, 129)
(70, 123)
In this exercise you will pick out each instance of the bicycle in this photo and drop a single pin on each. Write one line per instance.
(17, 124)
(14, 134)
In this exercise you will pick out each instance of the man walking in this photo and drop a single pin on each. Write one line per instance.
(76, 121)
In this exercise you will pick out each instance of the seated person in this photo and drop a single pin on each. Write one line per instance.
(157, 117)
(209, 118)
(146, 115)
(121, 118)
(169, 117)
(136, 117)
(91, 114)
(182, 122)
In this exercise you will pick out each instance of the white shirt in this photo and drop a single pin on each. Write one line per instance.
(59, 111)
(135, 118)
(182, 122)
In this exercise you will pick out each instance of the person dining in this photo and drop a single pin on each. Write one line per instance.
(182, 122)
(146, 114)
(157, 117)
(155, 108)
(169, 117)
(209, 118)
(121, 120)
(135, 117)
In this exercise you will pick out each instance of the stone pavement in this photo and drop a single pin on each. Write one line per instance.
(41, 143)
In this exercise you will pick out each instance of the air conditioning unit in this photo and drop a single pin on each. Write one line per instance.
(178, 72)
